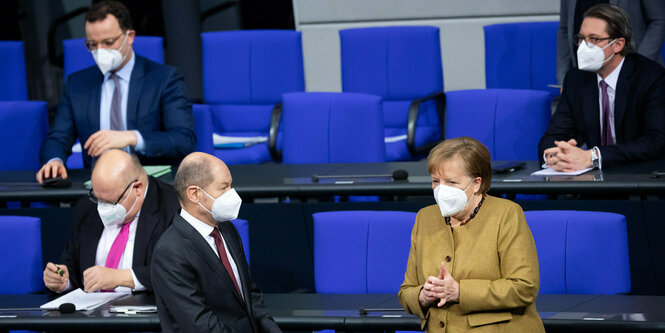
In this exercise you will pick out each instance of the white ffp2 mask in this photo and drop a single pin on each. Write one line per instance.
(591, 57)
(225, 207)
(451, 200)
(109, 59)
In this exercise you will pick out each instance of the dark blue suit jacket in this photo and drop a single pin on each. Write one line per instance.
(157, 107)
(639, 113)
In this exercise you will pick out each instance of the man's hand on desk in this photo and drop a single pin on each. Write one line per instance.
(97, 278)
(51, 169)
(104, 140)
(567, 157)
(52, 279)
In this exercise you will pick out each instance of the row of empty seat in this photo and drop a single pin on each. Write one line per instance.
(577, 251)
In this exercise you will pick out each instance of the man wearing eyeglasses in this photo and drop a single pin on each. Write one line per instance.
(612, 107)
(115, 229)
(126, 101)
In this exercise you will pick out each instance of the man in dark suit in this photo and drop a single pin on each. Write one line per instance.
(115, 228)
(612, 109)
(200, 274)
(126, 101)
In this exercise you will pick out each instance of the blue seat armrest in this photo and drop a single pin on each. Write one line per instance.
(275, 118)
(440, 98)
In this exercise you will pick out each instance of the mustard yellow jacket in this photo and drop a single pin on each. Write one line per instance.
(493, 258)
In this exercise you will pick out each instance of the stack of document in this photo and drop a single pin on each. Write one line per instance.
(83, 300)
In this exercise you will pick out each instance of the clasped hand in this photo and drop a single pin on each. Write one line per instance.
(567, 157)
(443, 288)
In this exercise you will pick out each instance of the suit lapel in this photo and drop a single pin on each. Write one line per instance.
(90, 240)
(94, 104)
(135, 86)
(232, 239)
(621, 97)
(591, 107)
(201, 247)
(146, 223)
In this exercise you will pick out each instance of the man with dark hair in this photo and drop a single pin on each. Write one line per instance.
(115, 229)
(126, 101)
(200, 274)
(612, 108)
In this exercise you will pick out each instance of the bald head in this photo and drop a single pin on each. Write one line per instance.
(202, 170)
(116, 167)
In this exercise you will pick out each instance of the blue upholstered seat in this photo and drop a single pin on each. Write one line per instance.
(243, 229)
(21, 255)
(521, 56)
(23, 128)
(13, 86)
(359, 252)
(245, 74)
(77, 57)
(509, 122)
(332, 128)
(403, 66)
(581, 252)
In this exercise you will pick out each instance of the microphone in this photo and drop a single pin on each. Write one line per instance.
(399, 174)
(64, 308)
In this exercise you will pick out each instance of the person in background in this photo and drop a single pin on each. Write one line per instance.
(126, 101)
(612, 108)
(648, 29)
(200, 273)
(473, 261)
(115, 229)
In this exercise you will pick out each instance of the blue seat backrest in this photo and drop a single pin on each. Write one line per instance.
(23, 128)
(521, 55)
(332, 128)
(581, 252)
(13, 86)
(243, 229)
(509, 122)
(21, 255)
(77, 57)
(396, 63)
(361, 252)
(203, 128)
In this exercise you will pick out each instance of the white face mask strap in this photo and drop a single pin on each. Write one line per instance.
(123, 42)
(209, 196)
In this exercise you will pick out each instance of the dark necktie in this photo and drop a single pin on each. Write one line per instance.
(116, 100)
(225, 260)
(606, 131)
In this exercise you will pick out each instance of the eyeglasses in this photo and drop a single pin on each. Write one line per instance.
(589, 40)
(92, 45)
(93, 198)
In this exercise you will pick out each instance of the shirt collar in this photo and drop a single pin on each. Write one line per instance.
(203, 228)
(612, 79)
(125, 72)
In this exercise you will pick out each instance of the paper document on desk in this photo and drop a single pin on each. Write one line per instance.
(133, 309)
(83, 300)
(552, 172)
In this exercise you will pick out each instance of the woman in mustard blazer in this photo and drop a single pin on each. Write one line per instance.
(473, 264)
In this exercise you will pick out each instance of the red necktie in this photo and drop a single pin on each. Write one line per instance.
(225, 260)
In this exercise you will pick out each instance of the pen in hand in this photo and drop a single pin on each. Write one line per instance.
(59, 271)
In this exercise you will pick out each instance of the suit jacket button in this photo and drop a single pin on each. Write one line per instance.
(442, 324)
(448, 258)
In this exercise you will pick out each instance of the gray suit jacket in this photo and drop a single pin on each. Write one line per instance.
(648, 22)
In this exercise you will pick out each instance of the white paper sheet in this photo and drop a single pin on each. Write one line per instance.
(552, 172)
(83, 300)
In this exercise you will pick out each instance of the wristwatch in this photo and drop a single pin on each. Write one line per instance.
(595, 161)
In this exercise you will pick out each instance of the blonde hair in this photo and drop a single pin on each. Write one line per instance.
(473, 154)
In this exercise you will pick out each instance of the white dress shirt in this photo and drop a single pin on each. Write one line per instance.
(205, 229)
(124, 76)
(109, 235)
